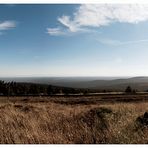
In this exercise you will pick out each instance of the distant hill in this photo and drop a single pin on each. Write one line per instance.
(111, 83)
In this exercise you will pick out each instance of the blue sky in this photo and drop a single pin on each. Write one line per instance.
(74, 40)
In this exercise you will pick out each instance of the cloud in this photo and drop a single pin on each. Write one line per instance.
(136, 41)
(6, 25)
(105, 14)
(118, 43)
(88, 16)
(109, 42)
(65, 20)
(55, 31)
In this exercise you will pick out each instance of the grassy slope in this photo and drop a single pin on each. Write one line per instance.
(48, 122)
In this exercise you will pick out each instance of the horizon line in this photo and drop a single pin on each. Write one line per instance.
(27, 76)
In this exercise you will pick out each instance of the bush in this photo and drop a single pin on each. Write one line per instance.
(128, 89)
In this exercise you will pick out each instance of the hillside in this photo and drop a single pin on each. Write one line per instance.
(111, 83)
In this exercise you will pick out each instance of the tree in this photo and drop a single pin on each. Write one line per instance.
(49, 90)
(34, 89)
(128, 89)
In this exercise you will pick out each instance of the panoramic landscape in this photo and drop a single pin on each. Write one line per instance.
(73, 74)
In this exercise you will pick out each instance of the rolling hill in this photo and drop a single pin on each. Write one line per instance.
(111, 83)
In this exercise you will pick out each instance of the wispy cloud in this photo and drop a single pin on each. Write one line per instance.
(109, 42)
(136, 42)
(118, 43)
(65, 20)
(6, 25)
(55, 31)
(87, 16)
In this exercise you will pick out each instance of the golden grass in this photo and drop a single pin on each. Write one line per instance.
(48, 122)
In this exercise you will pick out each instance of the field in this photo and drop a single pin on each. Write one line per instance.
(74, 119)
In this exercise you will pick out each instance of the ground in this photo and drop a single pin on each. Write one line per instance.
(73, 119)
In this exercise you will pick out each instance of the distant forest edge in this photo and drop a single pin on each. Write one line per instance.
(18, 88)
(93, 84)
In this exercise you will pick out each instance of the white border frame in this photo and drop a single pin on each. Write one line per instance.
(73, 1)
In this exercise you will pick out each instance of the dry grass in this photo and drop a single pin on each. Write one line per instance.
(48, 122)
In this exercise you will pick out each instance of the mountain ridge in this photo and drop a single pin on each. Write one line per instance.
(139, 83)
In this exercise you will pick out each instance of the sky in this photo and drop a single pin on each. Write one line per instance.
(73, 40)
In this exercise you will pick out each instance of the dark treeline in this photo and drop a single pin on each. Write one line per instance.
(18, 89)
(14, 88)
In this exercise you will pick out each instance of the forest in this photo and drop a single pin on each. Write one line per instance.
(17, 88)
(21, 89)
